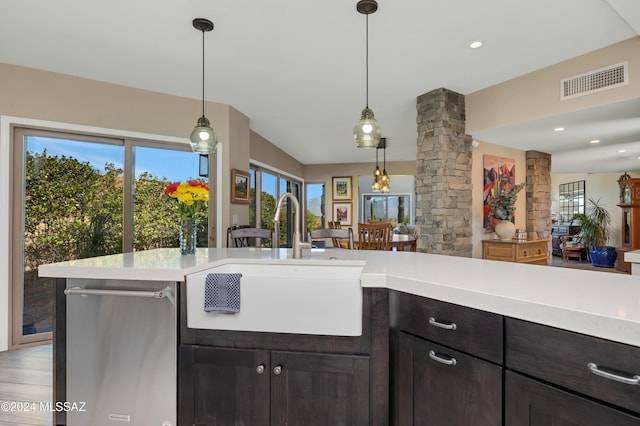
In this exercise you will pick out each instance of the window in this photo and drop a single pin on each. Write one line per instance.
(394, 208)
(78, 196)
(315, 208)
(572, 199)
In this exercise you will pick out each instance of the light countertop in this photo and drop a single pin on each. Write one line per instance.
(599, 304)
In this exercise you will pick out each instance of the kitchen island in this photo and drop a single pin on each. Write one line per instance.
(509, 297)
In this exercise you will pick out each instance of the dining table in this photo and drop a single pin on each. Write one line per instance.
(403, 242)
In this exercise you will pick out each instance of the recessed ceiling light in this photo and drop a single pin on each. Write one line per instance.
(475, 44)
(595, 141)
(622, 150)
(558, 129)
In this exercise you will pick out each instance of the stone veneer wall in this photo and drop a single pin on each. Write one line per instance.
(538, 195)
(443, 179)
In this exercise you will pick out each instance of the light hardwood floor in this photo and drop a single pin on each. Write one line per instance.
(26, 377)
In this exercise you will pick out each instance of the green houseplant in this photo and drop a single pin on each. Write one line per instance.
(502, 207)
(595, 229)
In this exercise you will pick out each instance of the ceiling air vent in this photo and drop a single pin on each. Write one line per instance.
(595, 81)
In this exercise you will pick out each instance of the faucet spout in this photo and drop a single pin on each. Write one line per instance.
(297, 250)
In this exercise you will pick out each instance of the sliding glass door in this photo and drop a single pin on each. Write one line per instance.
(78, 196)
(269, 186)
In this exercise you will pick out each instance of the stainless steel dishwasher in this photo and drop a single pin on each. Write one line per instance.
(121, 352)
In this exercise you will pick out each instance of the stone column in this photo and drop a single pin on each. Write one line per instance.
(538, 195)
(443, 178)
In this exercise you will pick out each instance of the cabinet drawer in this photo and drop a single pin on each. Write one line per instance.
(567, 359)
(469, 330)
(497, 251)
(529, 402)
(530, 252)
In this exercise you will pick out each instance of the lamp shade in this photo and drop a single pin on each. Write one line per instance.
(367, 132)
(203, 138)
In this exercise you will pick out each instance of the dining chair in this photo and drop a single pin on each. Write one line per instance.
(249, 237)
(338, 236)
(374, 236)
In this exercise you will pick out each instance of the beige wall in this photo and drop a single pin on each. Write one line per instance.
(267, 153)
(238, 158)
(44, 95)
(537, 94)
(477, 178)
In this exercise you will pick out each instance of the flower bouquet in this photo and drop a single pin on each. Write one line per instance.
(191, 195)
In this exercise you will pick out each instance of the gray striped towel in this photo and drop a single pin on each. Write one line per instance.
(222, 293)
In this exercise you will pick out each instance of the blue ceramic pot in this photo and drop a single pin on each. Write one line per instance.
(604, 257)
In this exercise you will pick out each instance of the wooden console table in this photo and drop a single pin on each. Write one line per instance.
(527, 251)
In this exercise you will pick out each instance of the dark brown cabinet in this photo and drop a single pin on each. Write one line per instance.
(445, 362)
(441, 386)
(574, 379)
(532, 403)
(259, 387)
(630, 225)
(223, 386)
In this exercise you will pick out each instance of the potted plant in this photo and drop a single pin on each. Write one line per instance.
(502, 207)
(595, 229)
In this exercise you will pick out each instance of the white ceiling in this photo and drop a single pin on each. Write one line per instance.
(296, 68)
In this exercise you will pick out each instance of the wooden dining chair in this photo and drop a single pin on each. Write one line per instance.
(248, 237)
(341, 238)
(374, 236)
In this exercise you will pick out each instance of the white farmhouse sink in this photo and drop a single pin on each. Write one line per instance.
(285, 298)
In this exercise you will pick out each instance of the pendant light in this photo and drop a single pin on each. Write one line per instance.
(384, 179)
(366, 132)
(203, 138)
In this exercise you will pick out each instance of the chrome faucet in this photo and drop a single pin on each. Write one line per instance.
(297, 251)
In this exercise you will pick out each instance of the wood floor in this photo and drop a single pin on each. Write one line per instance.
(26, 377)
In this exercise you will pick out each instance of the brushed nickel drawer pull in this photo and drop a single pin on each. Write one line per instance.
(443, 360)
(450, 326)
(635, 380)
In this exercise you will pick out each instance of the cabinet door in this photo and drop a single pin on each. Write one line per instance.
(438, 386)
(531, 403)
(223, 386)
(319, 389)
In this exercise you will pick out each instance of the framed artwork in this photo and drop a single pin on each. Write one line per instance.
(341, 188)
(342, 213)
(239, 186)
(497, 172)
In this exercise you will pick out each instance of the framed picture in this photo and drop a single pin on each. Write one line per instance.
(497, 172)
(342, 213)
(341, 188)
(239, 186)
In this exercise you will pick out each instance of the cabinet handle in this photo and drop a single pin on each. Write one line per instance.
(525, 253)
(277, 370)
(635, 380)
(444, 360)
(260, 369)
(436, 323)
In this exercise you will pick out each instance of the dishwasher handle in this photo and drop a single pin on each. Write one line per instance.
(159, 294)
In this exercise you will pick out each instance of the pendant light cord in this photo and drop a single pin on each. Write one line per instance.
(367, 57)
(203, 73)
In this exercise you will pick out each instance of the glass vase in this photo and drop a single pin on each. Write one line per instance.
(188, 237)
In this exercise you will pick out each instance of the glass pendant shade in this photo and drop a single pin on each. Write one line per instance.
(384, 182)
(367, 132)
(203, 137)
(375, 186)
